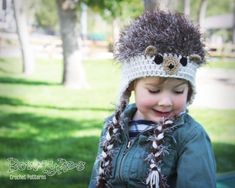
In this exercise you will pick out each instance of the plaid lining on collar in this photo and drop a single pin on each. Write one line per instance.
(136, 127)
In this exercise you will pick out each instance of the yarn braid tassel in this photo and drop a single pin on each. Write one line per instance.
(112, 136)
(155, 178)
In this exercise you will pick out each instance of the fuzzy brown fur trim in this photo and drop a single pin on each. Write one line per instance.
(168, 32)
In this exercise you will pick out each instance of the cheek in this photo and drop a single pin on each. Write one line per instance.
(143, 100)
(180, 102)
(144, 103)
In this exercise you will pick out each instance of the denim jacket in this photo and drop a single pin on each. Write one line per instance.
(190, 162)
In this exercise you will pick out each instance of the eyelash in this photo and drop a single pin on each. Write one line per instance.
(178, 92)
(158, 91)
(153, 91)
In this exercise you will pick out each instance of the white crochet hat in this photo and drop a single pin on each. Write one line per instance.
(145, 66)
(160, 44)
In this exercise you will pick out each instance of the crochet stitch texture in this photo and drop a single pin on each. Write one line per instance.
(141, 66)
(170, 34)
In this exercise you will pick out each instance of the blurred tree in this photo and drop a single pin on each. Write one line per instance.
(121, 13)
(214, 7)
(117, 12)
(151, 5)
(202, 13)
(68, 11)
(23, 35)
(219, 7)
(46, 15)
(155, 5)
(73, 72)
(187, 7)
(104, 8)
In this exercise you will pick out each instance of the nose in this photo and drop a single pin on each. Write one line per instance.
(165, 101)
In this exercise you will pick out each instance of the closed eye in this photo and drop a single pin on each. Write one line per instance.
(153, 91)
(179, 92)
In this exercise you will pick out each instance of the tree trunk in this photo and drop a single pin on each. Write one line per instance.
(83, 21)
(116, 29)
(187, 7)
(151, 5)
(156, 5)
(73, 72)
(22, 32)
(202, 13)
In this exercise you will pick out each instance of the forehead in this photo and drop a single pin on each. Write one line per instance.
(162, 81)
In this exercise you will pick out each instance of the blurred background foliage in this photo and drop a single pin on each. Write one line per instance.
(46, 15)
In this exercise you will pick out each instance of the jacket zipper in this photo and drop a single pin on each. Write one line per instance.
(123, 155)
(129, 144)
(125, 149)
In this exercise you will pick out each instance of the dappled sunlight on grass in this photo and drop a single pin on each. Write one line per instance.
(23, 125)
(224, 154)
(220, 124)
(85, 133)
(42, 120)
(4, 168)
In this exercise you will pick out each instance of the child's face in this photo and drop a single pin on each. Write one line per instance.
(156, 98)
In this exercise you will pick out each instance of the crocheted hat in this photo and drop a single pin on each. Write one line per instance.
(160, 44)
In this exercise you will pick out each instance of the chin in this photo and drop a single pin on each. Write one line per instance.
(156, 119)
(160, 118)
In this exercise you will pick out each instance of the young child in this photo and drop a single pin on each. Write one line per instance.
(155, 142)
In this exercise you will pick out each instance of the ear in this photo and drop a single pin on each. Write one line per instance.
(150, 51)
(195, 57)
(132, 86)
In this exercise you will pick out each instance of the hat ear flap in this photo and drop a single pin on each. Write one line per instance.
(150, 51)
(195, 58)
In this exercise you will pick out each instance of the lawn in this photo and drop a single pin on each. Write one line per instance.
(221, 63)
(51, 133)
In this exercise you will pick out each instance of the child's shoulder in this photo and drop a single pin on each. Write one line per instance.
(191, 124)
(190, 129)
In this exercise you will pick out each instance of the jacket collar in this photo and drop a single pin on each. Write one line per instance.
(130, 112)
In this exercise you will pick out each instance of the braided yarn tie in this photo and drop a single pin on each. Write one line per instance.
(112, 136)
(154, 178)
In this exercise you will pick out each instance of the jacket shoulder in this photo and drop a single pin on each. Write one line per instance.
(190, 130)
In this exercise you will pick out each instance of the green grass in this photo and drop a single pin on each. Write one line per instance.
(221, 63)
(43, 121)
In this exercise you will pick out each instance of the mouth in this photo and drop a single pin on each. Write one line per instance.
(162, 114)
